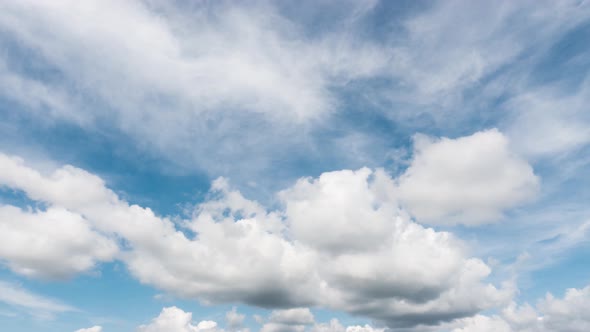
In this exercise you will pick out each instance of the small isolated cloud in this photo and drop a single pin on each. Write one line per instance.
(173, 319)
(296, 316)
(551, 314)
(234, 319)
(36, 243)
(91, 329)
(469, 180)
(333, 326)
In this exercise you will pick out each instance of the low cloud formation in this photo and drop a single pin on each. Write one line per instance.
(91, 329)
(469, 180)
(54, 243)
(288, 320)
(173, 319)
(340, 241)
(551, 314)
(234, 320)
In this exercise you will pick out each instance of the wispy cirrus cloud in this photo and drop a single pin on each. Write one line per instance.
(21, 299)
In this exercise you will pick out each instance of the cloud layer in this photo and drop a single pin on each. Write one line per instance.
(340, 241)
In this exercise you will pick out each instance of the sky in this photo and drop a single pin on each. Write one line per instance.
(294, 166)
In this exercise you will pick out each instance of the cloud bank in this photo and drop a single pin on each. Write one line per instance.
(341, 240)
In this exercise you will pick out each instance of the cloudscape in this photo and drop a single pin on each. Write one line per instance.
(294, 166)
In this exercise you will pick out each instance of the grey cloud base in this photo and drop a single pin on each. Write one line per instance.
(341, 241)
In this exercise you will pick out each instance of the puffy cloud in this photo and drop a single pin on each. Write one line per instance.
(567, 314)
(480, 323)
(259, 76)
(333, 326)
(18, 297)
(295, 316)
(341, 211)
(468, 180)
(173, 319)
(54, 243)
(551, 314)
(365, 328)
(404, 275)
(255, 58)
(91, 329)
(278, 327)
(234, 319)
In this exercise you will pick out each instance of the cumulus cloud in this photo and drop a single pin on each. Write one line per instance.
(295, 316)
(394, 270)
(551, 314)
(333, 326)
(91, 329)
(173, 319)
(234, 319)
(54, 243)
(469, 180)
(261, 71)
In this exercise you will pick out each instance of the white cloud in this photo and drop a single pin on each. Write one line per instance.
(173, 319)
(91, 329)
(223, 75)
(547, 122)
(234, 319)
(39, 306)
(480, 323)
(278, 327)
(365, 328)
(243, 253)
(469, 180)
(567, 314)
(341, 211)
(54, 243)
(333, 326)
(295, 316)
(551, 314)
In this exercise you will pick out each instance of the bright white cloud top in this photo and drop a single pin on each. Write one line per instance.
(331, 166)
(400, 273)
(468, 180)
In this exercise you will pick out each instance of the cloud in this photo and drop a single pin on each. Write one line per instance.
(53, 244)
(469, 180)
(404, 274)
(39, 306)
(223, 75)
(278, 327)
(91, 329)
(173, 319)
(547, 122)
(333, 326)
(296, 316)
(234, 319)
(481, 323)
(551, 314)
(365, 328)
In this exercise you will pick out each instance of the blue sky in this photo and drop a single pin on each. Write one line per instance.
(322, 166)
